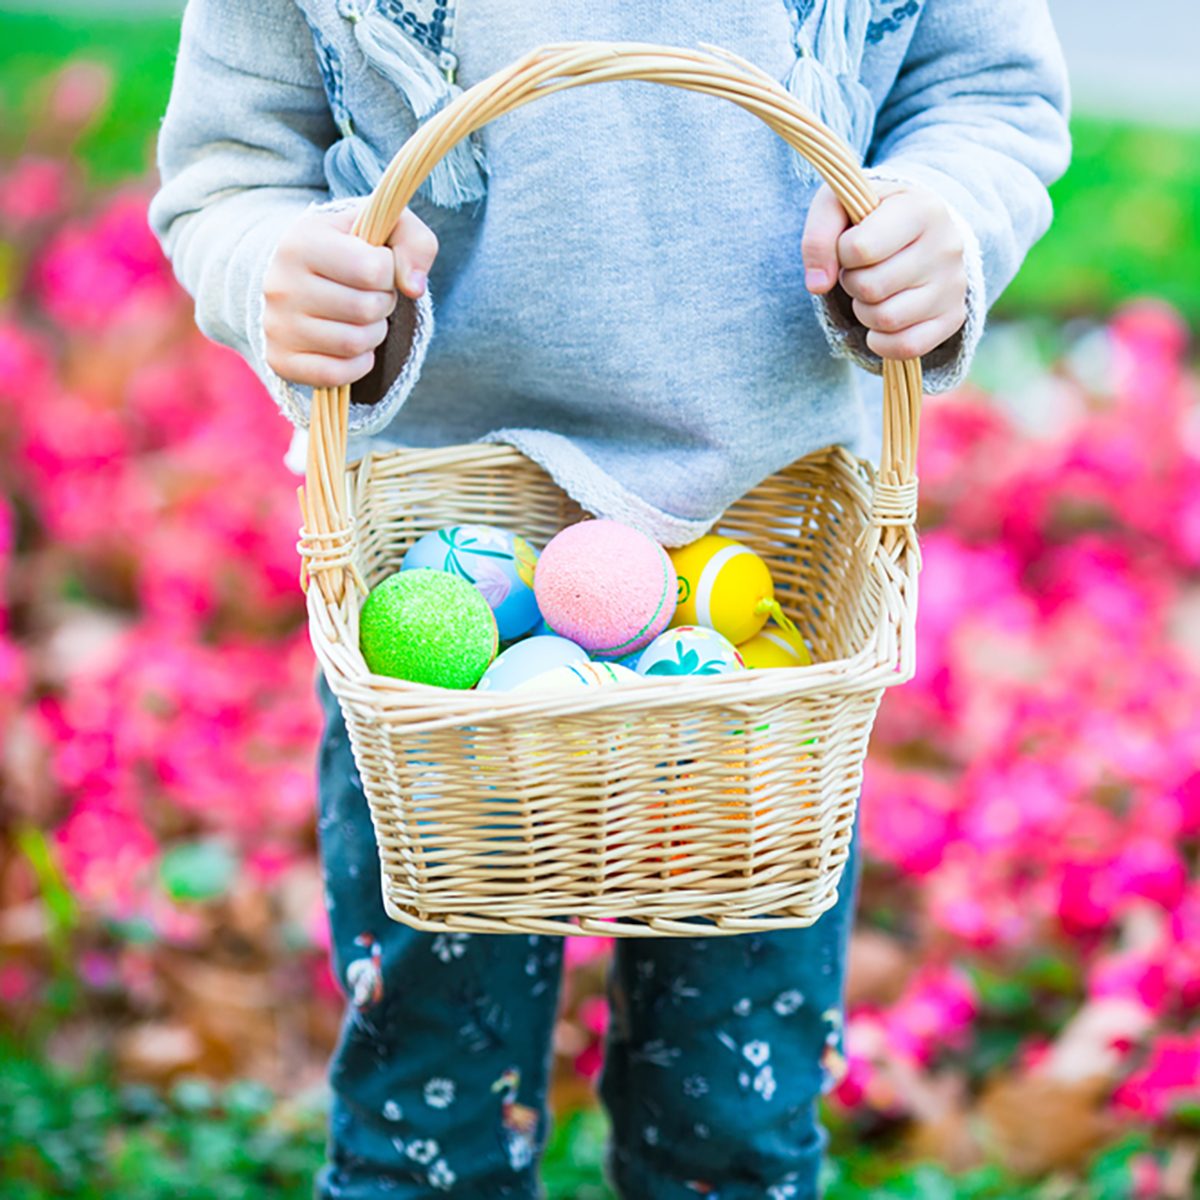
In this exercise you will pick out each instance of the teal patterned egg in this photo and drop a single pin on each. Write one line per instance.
(690, 650)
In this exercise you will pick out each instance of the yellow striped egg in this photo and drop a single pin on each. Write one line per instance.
(722, 585)
(774, 647)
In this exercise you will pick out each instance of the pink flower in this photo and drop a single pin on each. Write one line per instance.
(81, 91)
(107, 272)
(1146, 1176)
(908, 817)
(1087, 895)
(936, 1010)
(107, 857)
(1132, 975)
(1169, 1076)
(579, 951)
(594, 1015)
(1187, 796)
(1149, 869)
(33, 189)
(17, 983)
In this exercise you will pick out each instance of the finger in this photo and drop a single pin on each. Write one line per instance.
(334, 339)
(912, 267)
(415, 246)
(826, 222)
(317, 296)
(341, 218)
(899, 312)
(898, 221)
(348, 260)
(319, 370)
(914, 342)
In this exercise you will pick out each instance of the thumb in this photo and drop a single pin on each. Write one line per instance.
(827, 221)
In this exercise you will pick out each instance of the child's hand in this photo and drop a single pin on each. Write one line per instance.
(327, 295)
(902, 267)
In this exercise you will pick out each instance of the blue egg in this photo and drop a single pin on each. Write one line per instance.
(498, 562)
(690, 650)
(528, 659)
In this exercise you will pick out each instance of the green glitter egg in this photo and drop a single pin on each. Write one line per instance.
(428, 626)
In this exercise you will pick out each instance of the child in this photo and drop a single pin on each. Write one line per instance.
(623, 277)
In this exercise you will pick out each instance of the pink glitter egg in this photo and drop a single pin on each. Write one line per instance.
(605, 586)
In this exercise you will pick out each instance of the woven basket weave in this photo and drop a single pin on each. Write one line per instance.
(672, 806)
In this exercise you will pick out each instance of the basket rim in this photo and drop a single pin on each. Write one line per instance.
(885, 660)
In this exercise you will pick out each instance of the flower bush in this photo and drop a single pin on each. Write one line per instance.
(1029, 940)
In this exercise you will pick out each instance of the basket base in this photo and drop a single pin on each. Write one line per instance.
(609, 927)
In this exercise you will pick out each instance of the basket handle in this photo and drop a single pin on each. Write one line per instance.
(326, 542)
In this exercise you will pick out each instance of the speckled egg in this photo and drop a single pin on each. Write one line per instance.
(690, 650)
(429, 627)
(525, 660)
(498, 562)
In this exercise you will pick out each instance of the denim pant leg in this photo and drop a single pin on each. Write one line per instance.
(440, 1075)
(718, 1051)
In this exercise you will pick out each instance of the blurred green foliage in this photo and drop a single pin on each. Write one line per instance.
(140, 51)
(81, 1135)
(1126, 213)
(1126, 224)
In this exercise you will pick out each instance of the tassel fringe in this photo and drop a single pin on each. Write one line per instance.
(825, 76)
(459, 177)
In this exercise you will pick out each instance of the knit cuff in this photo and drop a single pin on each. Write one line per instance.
(296, 399)
(945, 366)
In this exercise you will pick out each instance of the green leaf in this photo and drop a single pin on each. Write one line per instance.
(202, 870)
(56, 896)
(1186, 1112)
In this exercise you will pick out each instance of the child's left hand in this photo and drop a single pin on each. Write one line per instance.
(903, 267)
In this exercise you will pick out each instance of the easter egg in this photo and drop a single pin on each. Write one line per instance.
(525, 660)
(428, 626)
(775, 648)
(606, 586)
(573, 676)
(723, 585)
(690, 650)
(498, 562)
(628, 660)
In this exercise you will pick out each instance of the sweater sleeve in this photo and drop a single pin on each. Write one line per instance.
(241, 156)
(977, 114)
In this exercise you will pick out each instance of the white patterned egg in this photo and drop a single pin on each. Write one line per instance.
(573, 676)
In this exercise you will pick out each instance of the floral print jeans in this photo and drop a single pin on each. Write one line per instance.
(717, 1050)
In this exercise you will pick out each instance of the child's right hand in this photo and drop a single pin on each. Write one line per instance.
(327, 295)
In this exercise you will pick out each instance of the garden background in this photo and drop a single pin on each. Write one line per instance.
(1026, 972)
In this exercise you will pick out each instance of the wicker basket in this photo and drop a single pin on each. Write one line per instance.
(707, 805)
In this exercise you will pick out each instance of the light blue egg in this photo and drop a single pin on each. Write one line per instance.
(528, 659)
(628, 660)
(498, 562)
(690, 650)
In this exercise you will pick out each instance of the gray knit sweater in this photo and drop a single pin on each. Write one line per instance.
(619, 291)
